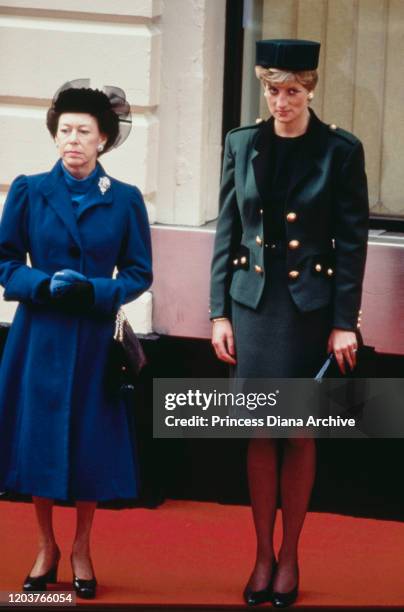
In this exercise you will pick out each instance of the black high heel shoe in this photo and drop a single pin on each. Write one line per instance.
(284, 600)
(254, 598)
(40, 583)
(86, 589)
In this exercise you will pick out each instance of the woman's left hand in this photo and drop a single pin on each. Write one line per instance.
(344, 345)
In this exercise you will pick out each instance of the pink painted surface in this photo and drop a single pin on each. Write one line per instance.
(181, 288)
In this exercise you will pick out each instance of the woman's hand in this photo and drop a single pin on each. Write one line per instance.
(344, 345)
(223, 341)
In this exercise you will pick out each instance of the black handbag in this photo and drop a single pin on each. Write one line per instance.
(350, 398)
(366, 364)
(126, 358)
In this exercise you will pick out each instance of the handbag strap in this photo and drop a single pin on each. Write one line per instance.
(119, 324)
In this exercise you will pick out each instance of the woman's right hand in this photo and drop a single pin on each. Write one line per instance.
(223, 341)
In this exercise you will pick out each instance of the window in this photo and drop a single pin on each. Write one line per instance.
(361, 83)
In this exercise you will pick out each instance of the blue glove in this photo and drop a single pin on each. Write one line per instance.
(62, 281)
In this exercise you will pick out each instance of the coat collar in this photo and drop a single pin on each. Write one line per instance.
(310, 157)
(54, 188)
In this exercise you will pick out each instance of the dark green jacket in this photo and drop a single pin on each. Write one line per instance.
(326, 219)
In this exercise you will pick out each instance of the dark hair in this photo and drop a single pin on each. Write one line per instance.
(85, 100)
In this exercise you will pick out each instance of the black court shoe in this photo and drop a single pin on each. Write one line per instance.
(85, 589)
(284, 600)
(40, 583)
(254, 598)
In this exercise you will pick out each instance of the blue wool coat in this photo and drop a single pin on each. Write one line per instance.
(61, 435)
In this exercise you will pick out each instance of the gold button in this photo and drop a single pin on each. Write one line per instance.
(360, 312)
(258, 269)
(318, 267)
(258, 240)
(333, 126)
(294, 244)
(294, 274)
(261, 211)
(243, 259)
(358, 325)
(291, 217)
(330, 271)
(235, 262)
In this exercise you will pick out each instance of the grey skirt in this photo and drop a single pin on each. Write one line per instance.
(278, 340)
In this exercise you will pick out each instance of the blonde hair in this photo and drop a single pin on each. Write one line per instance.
(271, 76)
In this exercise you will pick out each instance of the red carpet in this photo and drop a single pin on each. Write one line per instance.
(200, 554)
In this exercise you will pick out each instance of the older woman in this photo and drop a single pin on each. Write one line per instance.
(62, 435)
(287, 276)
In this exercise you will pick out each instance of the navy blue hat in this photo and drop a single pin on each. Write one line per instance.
(287, 54)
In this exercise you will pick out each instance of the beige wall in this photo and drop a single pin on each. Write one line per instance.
(190, 111)
(361, 88)
(167, 56)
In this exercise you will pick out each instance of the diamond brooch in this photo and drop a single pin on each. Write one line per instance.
(104, 184)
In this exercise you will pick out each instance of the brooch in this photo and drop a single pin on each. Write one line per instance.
(104, 184)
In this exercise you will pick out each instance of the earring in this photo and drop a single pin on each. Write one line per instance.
(100, 148)
(310, 95)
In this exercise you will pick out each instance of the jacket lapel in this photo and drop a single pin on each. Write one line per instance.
(261, 159)
(56, 193)
(309, 158)
(100, 193)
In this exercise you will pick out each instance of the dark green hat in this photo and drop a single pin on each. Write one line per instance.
(287, 54)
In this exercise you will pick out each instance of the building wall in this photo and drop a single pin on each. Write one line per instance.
(167, 56)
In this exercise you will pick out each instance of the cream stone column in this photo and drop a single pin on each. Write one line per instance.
(44, 43)
(190, 111)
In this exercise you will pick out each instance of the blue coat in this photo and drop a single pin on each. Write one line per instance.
(61, 435)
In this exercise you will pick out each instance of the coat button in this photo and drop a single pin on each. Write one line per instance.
(293, 274)
(74, 251)
(258, 240)
(333, 126)
(318, 267)
(330, 271)
(291, 217)
(294, 244)
(258, 269)
(261, 211)
(243, 259)
(235, 262)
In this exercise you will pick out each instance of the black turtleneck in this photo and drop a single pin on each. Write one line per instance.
(283, 160)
